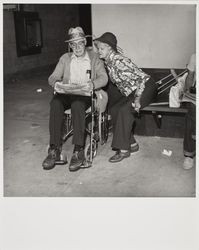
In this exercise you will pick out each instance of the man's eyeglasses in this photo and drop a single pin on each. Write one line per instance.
(74, 45)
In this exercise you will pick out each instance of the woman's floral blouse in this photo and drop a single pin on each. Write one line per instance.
(125, 74)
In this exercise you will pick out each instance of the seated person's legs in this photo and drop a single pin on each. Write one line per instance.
(189, 144)
(58, 105)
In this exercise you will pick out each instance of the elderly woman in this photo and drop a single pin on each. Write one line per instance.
(129, 90)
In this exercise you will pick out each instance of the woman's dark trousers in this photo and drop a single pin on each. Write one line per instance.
(123, 114)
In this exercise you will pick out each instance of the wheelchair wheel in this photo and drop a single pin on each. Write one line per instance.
(87, 151)
(67, 128)
(105, 129)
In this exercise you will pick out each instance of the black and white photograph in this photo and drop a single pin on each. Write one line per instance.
(120, 124)
(99, 101)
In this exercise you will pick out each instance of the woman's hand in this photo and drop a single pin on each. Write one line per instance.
(136, 104)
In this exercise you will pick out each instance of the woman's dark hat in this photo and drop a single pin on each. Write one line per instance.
(108, 38)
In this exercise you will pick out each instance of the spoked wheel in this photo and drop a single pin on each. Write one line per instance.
(87, 153)
(105, 129)
(67, 128)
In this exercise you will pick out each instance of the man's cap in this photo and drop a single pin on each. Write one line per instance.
(76, 34)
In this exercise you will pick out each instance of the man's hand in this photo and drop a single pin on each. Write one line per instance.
(88, 87)
(58, 87)
(136, 104)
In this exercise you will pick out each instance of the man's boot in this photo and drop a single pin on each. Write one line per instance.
(53, 156)
(77, 159)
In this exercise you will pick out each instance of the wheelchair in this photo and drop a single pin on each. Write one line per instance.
(97, 129)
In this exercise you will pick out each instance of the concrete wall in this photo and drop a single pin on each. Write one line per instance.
(153, 35)
(56, 20)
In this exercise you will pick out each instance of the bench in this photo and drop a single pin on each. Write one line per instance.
(161, 106)
(159, 109)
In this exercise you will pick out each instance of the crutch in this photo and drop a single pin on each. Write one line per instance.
(164, 87)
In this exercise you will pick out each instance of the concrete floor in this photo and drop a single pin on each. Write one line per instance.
(147, 173)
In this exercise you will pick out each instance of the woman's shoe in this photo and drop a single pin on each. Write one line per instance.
(134, 148)
(119, 156)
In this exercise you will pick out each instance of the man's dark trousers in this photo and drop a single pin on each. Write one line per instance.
(58, 105)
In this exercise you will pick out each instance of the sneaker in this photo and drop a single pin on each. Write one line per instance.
(77, 160)
(188, 163)
(52, 157)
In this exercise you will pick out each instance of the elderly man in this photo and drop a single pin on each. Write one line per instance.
(72, 70)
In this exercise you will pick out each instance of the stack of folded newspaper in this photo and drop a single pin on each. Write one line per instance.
(73, 89)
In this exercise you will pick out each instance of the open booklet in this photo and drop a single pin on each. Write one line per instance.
(73, 89)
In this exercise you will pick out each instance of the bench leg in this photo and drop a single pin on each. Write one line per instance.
(158, 119)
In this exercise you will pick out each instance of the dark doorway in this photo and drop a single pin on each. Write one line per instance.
(28, 33)
(85, 20)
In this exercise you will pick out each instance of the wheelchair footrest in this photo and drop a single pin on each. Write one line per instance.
(63, 159)
(61, 162)
(86, 164)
